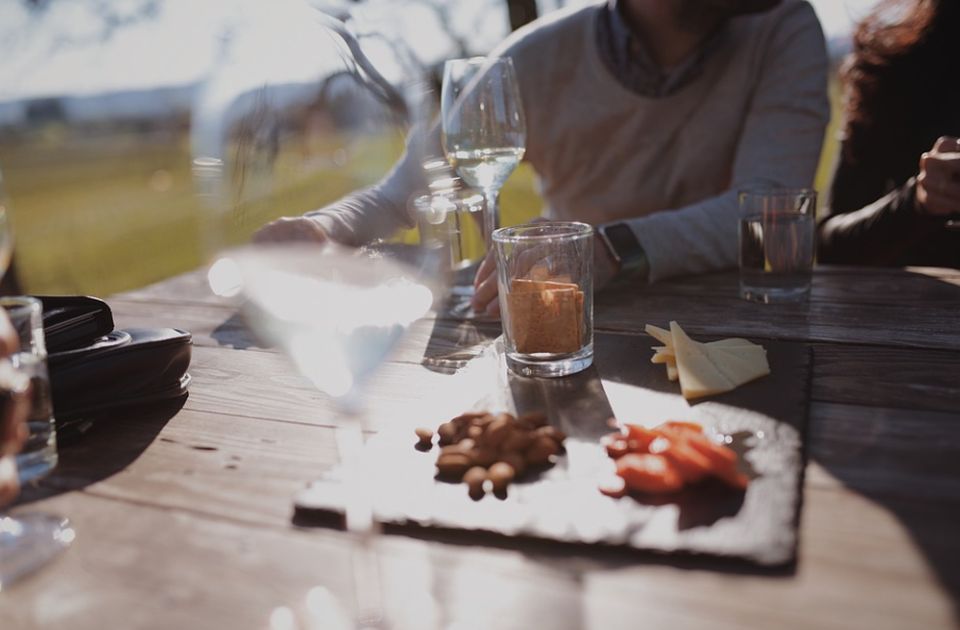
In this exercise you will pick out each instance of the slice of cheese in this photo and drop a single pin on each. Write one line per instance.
(661, 335)
(672, 372)
(660, 357)
(721, 343)
(740, 365)
(699, 376)
(705, 369)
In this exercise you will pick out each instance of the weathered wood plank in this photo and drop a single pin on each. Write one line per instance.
(156, 568)
(845, 285)
(929, 327)
(861, 566)
(886, 453)
(887, 377)
(242, 468)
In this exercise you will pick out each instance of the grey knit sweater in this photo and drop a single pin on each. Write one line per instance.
(670, 166)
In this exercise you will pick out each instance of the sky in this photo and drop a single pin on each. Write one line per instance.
(62, 50)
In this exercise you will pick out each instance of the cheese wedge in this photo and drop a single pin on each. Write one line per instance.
(672, 373)
(699, 376)
(721, 343)
(661, 335)
(706, 369)
(660, 357)
(740, 365)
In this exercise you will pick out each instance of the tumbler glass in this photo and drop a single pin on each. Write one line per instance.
(545, 281)
(777, 244)
(39, 454)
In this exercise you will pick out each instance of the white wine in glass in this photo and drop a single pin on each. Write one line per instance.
(484, 129)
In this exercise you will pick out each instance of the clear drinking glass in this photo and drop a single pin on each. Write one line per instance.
(484, 129)
(777, 244)
(39, 455)
(28, 541)
(452, 220)
(545, 280)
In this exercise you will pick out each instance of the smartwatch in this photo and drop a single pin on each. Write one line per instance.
(625, 249)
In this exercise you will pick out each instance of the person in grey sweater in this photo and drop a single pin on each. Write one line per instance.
(644, 118)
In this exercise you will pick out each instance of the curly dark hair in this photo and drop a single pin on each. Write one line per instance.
(902, 71)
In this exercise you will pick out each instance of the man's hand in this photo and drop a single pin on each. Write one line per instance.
(13, 421)
(938, 186)
(485, 282)
(302, 229)
(485, 300)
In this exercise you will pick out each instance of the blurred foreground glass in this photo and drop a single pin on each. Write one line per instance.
(29, 541)
(777, 244)
(545, 280)
(283, 133)
(452, 221)
(484, 129)
(39, 455)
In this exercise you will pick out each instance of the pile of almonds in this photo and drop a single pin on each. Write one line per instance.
(478, 447)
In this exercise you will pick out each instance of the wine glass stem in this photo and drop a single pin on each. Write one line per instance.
(491, 218)
(361, 521)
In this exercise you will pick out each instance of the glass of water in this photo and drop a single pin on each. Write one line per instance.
(452, 220)
(39, 454)
(777, 244)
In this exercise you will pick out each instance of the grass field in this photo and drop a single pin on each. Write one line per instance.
(110, 213)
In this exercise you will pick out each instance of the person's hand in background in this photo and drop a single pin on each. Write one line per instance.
(13, 420)
(485, 298)
(938, 185)
(301, 229)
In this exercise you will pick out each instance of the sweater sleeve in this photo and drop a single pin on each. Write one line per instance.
(384, 208)
(887, 232)
(779, 146)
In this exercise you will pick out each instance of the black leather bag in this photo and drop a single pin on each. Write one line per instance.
(96, 370)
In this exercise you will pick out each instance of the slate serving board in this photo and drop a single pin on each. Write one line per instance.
(764, 421)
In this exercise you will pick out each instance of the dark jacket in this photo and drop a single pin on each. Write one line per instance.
(901, 107)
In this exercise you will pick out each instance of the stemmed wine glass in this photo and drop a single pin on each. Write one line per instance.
(27, 541)
(275, 135)
(484, 129)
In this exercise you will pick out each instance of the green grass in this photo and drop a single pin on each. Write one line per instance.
(110, 213)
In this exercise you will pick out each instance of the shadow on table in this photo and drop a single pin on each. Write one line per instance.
(898, 442)
(234, 333)
(453, 344)
(108, 447)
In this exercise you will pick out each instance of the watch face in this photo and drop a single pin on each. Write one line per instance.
(623, 240)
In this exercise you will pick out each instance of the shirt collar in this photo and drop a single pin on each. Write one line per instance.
(633, 59)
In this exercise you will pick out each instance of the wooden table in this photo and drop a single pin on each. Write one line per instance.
(183, 517)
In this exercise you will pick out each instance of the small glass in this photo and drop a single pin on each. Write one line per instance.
(777, 244)
(453, 221)
(545, 279)
(39, 454)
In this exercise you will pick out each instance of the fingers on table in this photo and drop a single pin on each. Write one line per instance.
(485, 295)
(486, 269)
